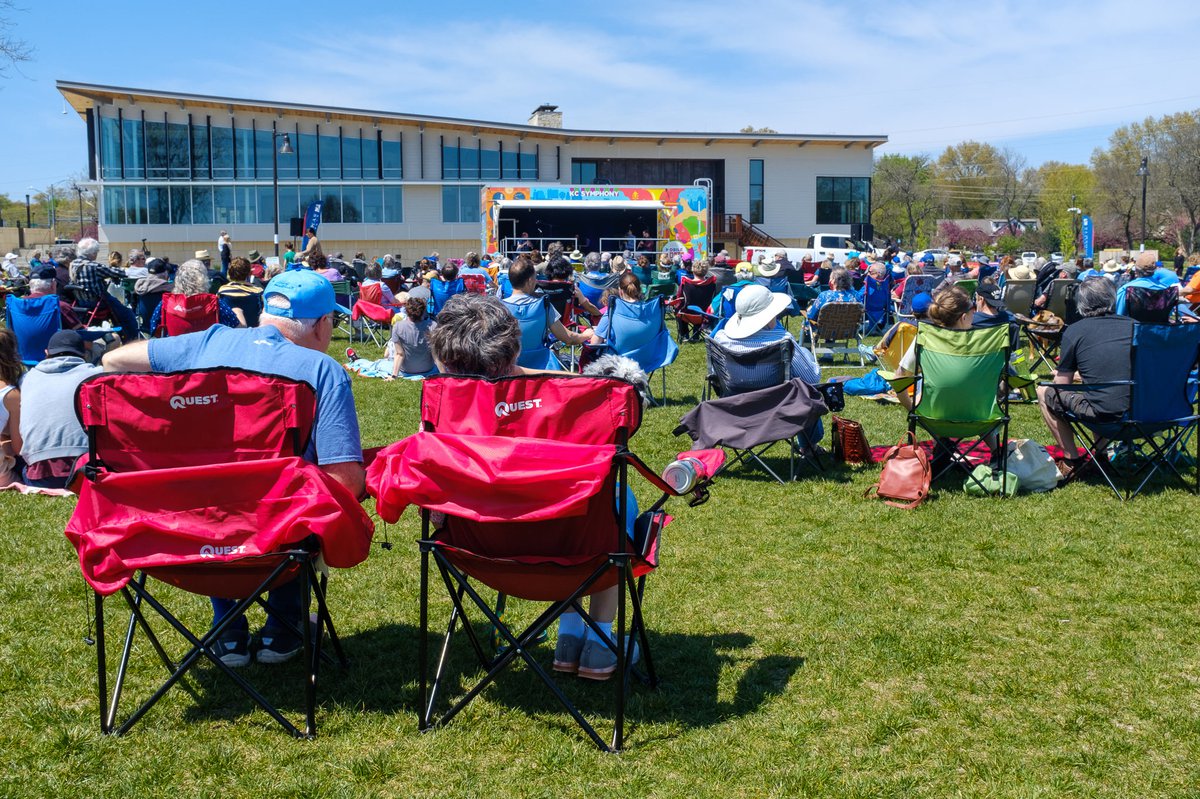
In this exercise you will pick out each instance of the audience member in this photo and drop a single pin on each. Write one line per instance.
(11, 370)
(192, 278)
(1097, 348)
(840, 290)
(51, 436)
(523, 278)
(410, 341)
(755, 324)
(91, 282)
(295, 331)
(240, 294)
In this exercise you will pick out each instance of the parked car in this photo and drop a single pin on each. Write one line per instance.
(939, 254)
(1029, 258)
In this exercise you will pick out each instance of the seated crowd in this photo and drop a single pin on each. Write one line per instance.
(469, 317)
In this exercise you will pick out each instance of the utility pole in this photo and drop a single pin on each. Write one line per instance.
(1144, 172)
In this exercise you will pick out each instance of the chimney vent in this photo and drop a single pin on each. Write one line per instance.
(546, 116)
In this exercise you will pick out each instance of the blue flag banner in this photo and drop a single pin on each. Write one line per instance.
(1088, 235)
(312, 220)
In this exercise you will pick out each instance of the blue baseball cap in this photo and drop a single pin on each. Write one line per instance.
(921, 302)
(310, 294)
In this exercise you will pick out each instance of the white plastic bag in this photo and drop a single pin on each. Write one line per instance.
(1032, 465)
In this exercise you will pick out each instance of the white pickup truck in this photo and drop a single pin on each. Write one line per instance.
(819, 246)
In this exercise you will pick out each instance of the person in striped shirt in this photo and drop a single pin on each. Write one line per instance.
(755, 324)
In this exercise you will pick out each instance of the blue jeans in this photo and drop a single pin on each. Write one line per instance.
(286, 603)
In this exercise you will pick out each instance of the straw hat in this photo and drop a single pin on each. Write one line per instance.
(1020, 272)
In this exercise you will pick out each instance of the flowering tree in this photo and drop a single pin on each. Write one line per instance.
(958, 237)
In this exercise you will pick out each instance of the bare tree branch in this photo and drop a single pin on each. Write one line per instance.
(13, 50)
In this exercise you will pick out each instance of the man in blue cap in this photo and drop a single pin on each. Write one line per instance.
(293, 334)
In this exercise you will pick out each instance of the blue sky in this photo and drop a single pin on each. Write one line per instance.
(1049, 80)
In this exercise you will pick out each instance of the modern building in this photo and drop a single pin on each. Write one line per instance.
(175, 169)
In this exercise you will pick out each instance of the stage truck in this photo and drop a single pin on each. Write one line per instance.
(616, 219)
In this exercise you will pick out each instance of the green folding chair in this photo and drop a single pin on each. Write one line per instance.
(963, 380)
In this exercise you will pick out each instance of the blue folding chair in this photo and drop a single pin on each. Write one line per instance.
(442, 290)
(535, 334)
(1162, 411)
(592, 285)
(33, 320)
(914, 285)
(877, 302)
(638, 330)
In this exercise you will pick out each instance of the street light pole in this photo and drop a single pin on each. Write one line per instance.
(1144, 172)
(79, 191)
(286, 149)
(28, 216)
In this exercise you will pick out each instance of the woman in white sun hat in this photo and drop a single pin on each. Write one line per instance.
(755, 325)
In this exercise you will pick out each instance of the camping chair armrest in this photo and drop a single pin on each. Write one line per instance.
(699, 492)
(898, 383)
(1085, 386)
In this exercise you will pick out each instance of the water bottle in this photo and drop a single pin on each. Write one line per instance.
(683, 474)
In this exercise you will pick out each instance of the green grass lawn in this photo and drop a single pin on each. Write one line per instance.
(810, 643)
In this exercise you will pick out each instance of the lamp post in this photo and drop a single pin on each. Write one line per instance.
(284, 149)
(28, 216)
(1075, 214)
(79, 191)
(1143, 173)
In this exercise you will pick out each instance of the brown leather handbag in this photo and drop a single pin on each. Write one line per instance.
(904, 481)
(850, 441)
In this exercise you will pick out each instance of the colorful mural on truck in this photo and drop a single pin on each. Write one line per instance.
(683, 220)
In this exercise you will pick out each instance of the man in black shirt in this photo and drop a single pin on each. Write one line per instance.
(1098, 348)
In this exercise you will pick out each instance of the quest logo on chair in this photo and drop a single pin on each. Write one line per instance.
(505, 408)
(179, 401)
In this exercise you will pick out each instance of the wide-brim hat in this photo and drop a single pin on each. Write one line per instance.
(1111, 266)
(253, 255)
(1020, 272)
(755, 307)
(202, 255)
(769, 270)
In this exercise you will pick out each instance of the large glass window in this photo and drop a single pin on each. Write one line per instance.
(468, 162)
(508, 165)
(308, 196)
(450, 161)
(489, 166)
(158, 208)
(247, 213)
(392, 166)
(156, 150)
(202, 205)
(181, 205)
(757, 209)
(262, 153)
(370, 158)
(306, 151)
(114, 205)
(244, 149)
(529, 166)
(222, 152)
(460, 203)
(110, 151)
(223, 205)
(843, 201)
(134, 151)
(289, 201)
(393, 204)
(351, 158)
(352, 202)
(583, 173)
(331, 156)
(372, 206)
(331, 204)
(179, 156)
(200, 151)
(135, 205)
(266, 204)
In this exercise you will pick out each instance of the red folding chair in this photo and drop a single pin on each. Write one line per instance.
(369, 312)
(184, 313)
(196, 480)
(555, 533)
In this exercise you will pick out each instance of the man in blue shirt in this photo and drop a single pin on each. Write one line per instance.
(295, 330)
(1146, 274)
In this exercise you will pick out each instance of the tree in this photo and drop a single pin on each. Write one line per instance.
(955, 236)
(752, 129)
(968, 177)
(12, 50)
(1016, 186)
(1118, 188)
(903, 203)
(1175, 151)
(1061, 186)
